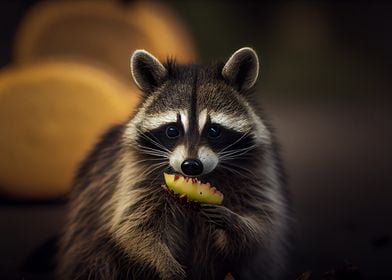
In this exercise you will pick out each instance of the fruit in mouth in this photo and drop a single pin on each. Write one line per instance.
(193, 189)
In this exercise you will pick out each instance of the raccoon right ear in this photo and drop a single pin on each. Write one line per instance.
(147, 72)
(242, 69)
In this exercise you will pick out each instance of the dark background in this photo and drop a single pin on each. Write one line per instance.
(326, 84)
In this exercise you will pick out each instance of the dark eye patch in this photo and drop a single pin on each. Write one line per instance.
(228, 140)
(160, 139)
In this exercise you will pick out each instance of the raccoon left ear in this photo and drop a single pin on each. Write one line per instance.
(147, 71)
(242, 69)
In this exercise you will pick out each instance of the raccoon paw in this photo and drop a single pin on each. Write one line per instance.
(217, 215)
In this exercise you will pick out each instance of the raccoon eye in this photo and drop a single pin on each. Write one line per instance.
(172, 132)
(214, 131)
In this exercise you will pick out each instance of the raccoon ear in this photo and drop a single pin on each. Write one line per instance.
(147, 72)
(242, 69)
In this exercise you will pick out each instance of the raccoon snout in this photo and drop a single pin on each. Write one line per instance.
(192, 167)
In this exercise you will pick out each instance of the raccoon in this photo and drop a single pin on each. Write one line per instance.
(196, 121)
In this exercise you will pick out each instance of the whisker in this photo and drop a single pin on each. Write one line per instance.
(236, 150)
(232, 170)
(152, 150)
(155, 142)
(155, 179)
(243, 155)
(248, 157)
(154, 167)
(149, 159)
(237, 153)
(153, 153)
(236, 168)
(235, 142)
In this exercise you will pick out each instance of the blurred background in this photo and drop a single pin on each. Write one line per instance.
(325, 84)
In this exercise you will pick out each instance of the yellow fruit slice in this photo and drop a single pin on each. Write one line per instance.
(193, 189)
(51, 114)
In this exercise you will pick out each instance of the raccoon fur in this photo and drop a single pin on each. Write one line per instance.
(197, 121)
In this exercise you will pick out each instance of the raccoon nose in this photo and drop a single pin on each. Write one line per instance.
(192, 167)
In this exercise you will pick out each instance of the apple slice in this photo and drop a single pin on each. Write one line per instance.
(193, 189)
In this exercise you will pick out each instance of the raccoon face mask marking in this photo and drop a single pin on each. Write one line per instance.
(184, 120)
(160, 119)
(207, 111)
(202, 119)
(237, 123)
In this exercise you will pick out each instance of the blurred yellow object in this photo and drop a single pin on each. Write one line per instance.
(50, 116)
(103, 32)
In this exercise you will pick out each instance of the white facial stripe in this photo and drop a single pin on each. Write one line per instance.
(208, 158)
(202, 119)
(157, 120)
(237, 123)
(184, 120)
(260, 131)
(131, 131)
(177, 157)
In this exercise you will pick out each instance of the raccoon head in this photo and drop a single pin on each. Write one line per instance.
(195, 119)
